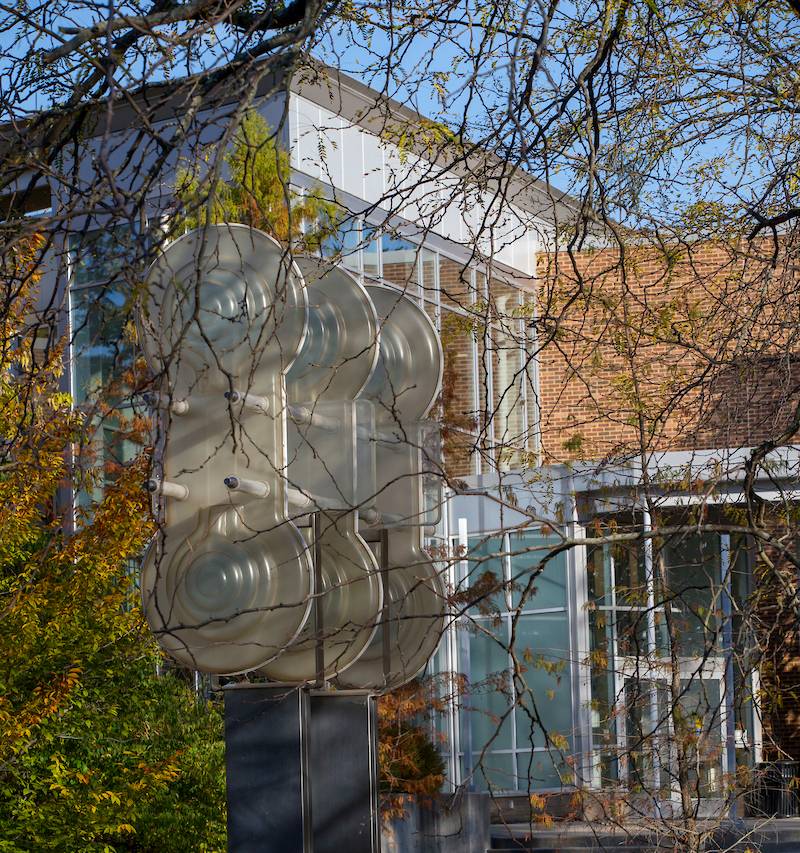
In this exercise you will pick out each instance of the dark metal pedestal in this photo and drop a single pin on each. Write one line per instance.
(266, 765)
(344, 773)
(301, 771)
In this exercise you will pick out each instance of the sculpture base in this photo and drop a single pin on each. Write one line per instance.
(301, 770)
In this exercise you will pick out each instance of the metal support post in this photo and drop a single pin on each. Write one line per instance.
(386, 645)
(319, 625)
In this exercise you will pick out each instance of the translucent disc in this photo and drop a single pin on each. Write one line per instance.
(341, 345)
(408, 375)
(226, 598)
(416, 620)
(351, 599)
(222, 300)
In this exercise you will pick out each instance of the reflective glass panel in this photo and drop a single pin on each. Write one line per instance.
(541, 770)
(102, 340)
(487, 705)
(455, 285)
(508, 380)
(369, 253)
(701, 723)
(693, 575)
(399, 259)
(98, 255)
(548, 583)
(542, 646)
(484, 582)
(343, 244)
(459, 400)
(495, 772)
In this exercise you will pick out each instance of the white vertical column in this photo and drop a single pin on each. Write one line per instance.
(465, 728)
(450, 644)
(580, 666)
(649, 571)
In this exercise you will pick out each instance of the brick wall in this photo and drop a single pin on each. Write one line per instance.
(666, 347)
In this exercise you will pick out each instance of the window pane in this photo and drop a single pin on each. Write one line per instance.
(542, 646)
(549, 588)
(455, 285)
(528, 332)
(489, 690)
(598, 569)
(343, 244)
(701, 707)
(97, 256)
(399, 260)
(102, 341)
(540, 770)
(370, 242)
(602, 662)
(693, 574)
(643, 700)
(459, 403)
(484, 584)
(629, 574)
(631, 630)
(428, 278)
(508, 376)
(494, 772)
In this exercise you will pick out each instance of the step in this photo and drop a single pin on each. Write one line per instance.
(752, 846)
(760, 847)
(541, 842)
(560, 849)
(582, 849)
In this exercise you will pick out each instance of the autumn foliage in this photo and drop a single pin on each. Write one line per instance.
(410, 764)
(96, 751)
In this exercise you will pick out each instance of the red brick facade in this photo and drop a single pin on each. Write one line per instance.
(678, 347)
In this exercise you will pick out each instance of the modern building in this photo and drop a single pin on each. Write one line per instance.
(562, 672)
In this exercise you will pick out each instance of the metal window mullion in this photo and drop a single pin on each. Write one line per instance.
(649, 569)
(729, 721)
(450, 660)
(758, 738)
(512, 719)
(451, 638)
(420, 265)
(465, 659)
(360, 250)
(508, 616)
(618, 674)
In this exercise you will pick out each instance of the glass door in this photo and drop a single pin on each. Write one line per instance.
(656, 728)
(652, 608)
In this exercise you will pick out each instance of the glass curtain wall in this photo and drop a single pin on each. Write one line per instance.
(103, 346)
(487, 388)
(513, 646)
